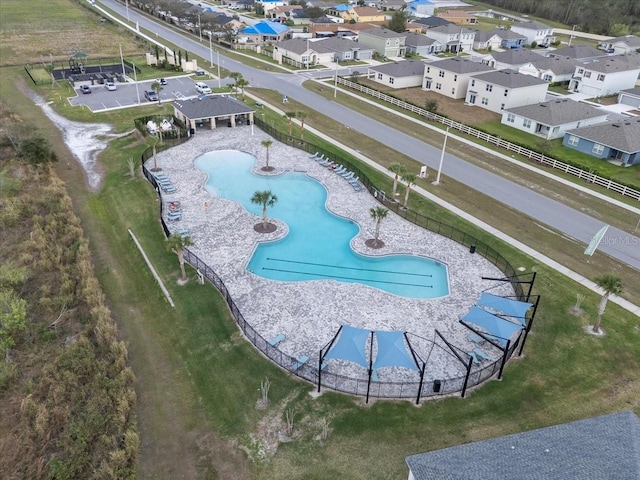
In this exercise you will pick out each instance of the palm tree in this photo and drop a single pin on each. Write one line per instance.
(177, 244)
(156, 87)
(241, 83)
(410, 179)
(378, 214)
(398, 170)
(289, 116)
(266, 144)
(610, 284)
(266, 199)
(236, 78)
(302, 116)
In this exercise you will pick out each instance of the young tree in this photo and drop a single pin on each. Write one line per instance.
(241, 83)
(610, 284)
(398, 22)
(177, 243)
(410, 179)
(398, 170)
(290, 116)
(378, 214)
(156, 87)
(236, 77)
(266, 199)
(431, 106)
(302, 116)
(267, 144)
(36, 150)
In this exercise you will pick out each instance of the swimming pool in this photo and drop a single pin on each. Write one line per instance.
(317, 245)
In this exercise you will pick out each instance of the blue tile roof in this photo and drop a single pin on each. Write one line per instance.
(265, 28)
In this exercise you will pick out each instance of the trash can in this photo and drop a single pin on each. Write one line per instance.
(472, 249)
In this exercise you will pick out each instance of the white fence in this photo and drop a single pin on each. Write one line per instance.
(538, 157)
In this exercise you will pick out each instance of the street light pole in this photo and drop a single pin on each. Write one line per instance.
(444, 146)
(210, 51)
(200, 28)
(571, 36)
(127, 5)
(219, 79)
(135, 78)
(335, 80)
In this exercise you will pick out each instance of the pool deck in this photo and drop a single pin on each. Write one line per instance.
(308, 314)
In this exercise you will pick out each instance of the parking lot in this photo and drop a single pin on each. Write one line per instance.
(127, 95)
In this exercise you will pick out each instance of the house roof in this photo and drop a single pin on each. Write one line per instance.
(331, 44)
(297, 45)
(557, 65)
(612, 65)
(531, 25)
(431, 21)
(460, 65)
(418, 40)
(622, 135)
(629, 40)
(406, 68)
(510, 79)
(382, 32)
(577, 51)
(452, 28)
(367, 11)
(265, 27)
(557, 112)
(211, 106)
(632, 91)
(599, 448)
(345, 7)
(508, 34)
(517, 56)
(484, 35)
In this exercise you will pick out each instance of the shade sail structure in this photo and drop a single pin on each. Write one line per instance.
(505, 306)
(498, 327)
(393, 351)
(350, 346)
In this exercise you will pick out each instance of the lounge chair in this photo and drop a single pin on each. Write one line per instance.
(354, 181)
(299, 362)
(183, 232)
(475, 338)
(315, 155)
(324, 162)
(357, 187)
(340, 170)
(277, 340)
(320, 158)
(348, 175)
(169, 189)
(481, 355)
(472, 354)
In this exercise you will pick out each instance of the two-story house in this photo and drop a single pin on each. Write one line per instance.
(552, 119)
(352, 13)
(454, 39)
(419, 44)
(502, 89)
(552, 69)
(487, 40)
(605, 77)
(621, 45)
(535, 32)
(404, 74)
(459, 17)
(385, 42)
(513, 59)
(511, 39)
(450, 77)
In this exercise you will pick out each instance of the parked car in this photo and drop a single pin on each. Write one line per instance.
(151, 95)
(110, 86)
(161, 81)
(85, 89)
(203, 88)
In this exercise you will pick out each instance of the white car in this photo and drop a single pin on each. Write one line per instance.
(203, 88)
(110, 86)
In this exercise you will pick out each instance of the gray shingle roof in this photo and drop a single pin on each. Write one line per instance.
(531, 25)
(211, 106)
(484, 35)
(629, 40)
(431, 21)
(417, 40)
(516, 56)
(557, 65)
(460, 65)
(577, 51)
(622, 135)
(557, 112)
(509, 35)
(610, 65)
(510, 79)
(407, 68)
(451, 28)
(382, 33)
(632, 91)
(296, 45)
(600, 448)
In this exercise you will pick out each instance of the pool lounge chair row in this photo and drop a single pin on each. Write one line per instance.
(479, 355)
(164, 183)
(345, 173)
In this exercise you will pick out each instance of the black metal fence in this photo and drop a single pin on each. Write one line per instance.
(335, 381)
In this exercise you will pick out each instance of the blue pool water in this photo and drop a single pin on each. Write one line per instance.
(317, 246)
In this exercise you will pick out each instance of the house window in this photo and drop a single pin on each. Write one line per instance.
(601, 77)
(391, 80)
(427, 84)
(598, 149)
(441, 74)
(455, 78)
(573, 140)
(428, 69)
(526, 123)
(379, 76)
(580, 71)
(511, 118)
(489, 88)
(473, 82)
(502, 106)
(438, 86)
(485, 101)
(453, 91)
(506, 92)
(547, 78)
(587, 74)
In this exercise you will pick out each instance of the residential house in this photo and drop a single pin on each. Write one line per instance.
(617, 141)
(630, 97)
(305, 52)
(487, 40)
(385, 42)
(420, 8)
(459, 17)
(419, 44)
(352, 13)
(391, 5)
(552, 119)
(269, 5)
(621, 45)
(450, 77)
(513, 59)
(553, 453)
(579, 52)
(320, 28)
(503, 89)
(263, 32)
(430, 22)
(404, 74)
(511, 39)
(535, 32)
(454, 39)
(557, 70)
(282, 13)
(605, 77)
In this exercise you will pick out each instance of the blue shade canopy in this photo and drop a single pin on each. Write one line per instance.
(498, 327)
(393, 352)
(350, 346)
(504, 306)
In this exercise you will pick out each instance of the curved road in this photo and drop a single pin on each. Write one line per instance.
(572, 223)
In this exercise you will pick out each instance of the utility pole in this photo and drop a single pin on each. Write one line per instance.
(444, 146)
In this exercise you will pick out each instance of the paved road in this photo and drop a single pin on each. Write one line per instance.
(545, 211)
